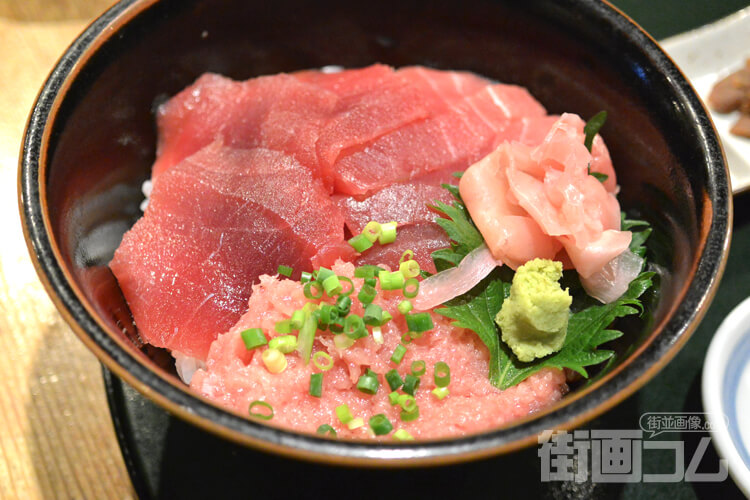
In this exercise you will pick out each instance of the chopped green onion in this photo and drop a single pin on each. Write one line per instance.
(393, 398)
(360, 243)
(366, 294)
(298, 319)
(265, 414)
(415, 335)
(323, 274)
(285, 271)
(411, 288)
(346, 291)
(403, 435)
(372, 231)
(407, 402)
(406, 338)
(326, 365)
(442, 374)
(285, 343)
(274, 360)
(371, 281)
(408, 416)
(342, 342)
(411, 384)
(355, 423)
(253, 337)
(368, 382)
(394, 379)
(377, 335)
(332, 285)
(418, 368)
(316, 384)
(327, 314)
(398, 354)
(391, 280)
(344, 414)
(386, 317)
(387, 233)
(313, 290)
(380, 424)
(419, 322)
(306, 337)
(343, 304)
(440, 392)
(367, 271)
(354, 327)
(373, 315)
(337, 327)
(406, 257)
(305, 277)
(326, 429)
(283, 326)
(405, 306)
(409, 268)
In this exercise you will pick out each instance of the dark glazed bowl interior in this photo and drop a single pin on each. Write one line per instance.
(91, 139)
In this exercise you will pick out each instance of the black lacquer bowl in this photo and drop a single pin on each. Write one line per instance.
(90, 142)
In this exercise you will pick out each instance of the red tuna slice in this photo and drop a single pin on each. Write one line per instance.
(210, 229)
(455, 139)
(393, 104)
(405, 203)
(350, 82)
(421, 238)
(278, 112)
(447, 86)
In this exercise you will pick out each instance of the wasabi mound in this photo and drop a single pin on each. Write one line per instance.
(534, 319)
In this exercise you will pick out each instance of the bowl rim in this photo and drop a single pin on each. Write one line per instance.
(572, 411)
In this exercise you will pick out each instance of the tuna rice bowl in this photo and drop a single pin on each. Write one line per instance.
(381, 253)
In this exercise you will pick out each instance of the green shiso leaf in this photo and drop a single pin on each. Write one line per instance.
(459, 227)
(592, 127)
(589, 327)
(476, 310)
(587, 330)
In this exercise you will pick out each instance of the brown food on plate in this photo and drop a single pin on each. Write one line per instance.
(731, 94)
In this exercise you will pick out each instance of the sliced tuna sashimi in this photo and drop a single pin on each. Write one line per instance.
(215, 222)
(421, 238)
(347, 83)
(278, 112)
(455, 139)
(405, 203)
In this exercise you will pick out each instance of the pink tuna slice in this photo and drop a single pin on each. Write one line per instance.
(528, 202)
(277, 112)
(407, 96)
(422, 238)
(405, 203)
(347, 83)
(467, 131)
(215, 222)
(234, 377)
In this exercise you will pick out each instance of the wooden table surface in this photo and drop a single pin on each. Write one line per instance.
(56, 436)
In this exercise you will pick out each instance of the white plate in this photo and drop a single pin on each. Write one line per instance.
(707, 54)
(726, 392)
